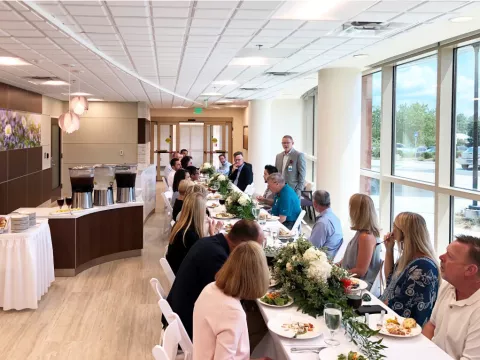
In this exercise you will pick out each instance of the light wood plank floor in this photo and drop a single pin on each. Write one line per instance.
(106, 312)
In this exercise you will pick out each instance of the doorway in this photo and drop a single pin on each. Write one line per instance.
(56, 158)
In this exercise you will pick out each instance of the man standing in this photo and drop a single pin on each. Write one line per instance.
(291, 164)
(455, 322)
(184, 152)
(176, 165)
(327, 231)
(168, 167)
(286, 203)
(241, 173)
(224, 167)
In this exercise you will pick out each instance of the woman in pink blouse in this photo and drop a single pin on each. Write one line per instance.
(219, 321)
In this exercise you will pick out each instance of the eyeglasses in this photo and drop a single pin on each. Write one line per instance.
(238, 160)
(286, 143)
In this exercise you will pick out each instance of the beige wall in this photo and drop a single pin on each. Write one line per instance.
(237, 114)
(51, 108)
(106, 130)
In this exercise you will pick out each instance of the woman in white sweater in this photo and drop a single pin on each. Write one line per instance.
(219, 321)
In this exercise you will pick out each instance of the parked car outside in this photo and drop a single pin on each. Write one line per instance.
(466, 159)
(420, 150)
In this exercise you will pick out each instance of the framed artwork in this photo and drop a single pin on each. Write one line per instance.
(245, 137)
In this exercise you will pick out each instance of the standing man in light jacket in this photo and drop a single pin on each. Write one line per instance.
(291, 164)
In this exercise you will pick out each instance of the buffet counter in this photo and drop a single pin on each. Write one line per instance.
(86, 238)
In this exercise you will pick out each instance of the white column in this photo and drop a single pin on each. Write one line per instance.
(259, 129)
(338, 136)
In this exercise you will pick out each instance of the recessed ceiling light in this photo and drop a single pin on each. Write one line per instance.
(95, 99)
(12, 61)
(253, 61)
(360, 56)
(179, 107)
(211, 94)
(55, 82)
(460, 19)
(305, 10)
(78, 94)
(224, 82)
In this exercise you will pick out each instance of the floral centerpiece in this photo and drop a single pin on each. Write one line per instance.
(208, 169)
(307, 274)
(240, 205)
(223, 182)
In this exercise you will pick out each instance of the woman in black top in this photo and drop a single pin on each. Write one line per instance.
(188, 229)
(182, 189)
(180, 175)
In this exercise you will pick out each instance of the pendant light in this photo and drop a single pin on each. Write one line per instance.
(79, 104)
(69, 121)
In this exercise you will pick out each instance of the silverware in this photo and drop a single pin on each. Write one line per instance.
(315, 349)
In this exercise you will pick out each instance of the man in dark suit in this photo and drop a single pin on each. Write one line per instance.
(241, 173)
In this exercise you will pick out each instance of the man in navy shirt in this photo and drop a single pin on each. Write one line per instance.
(202, 262)
(286, 203)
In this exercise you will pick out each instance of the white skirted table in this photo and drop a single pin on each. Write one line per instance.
(26, 267)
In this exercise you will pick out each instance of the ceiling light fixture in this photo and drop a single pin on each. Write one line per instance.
(224, 101)
(211, 94)
(360, 56)
(461, 19)
(224, 82)
(306, 10)
(12, 61)
(252, 61)
(55, 82)
(78, 94)
(179, 107)
(95, 99)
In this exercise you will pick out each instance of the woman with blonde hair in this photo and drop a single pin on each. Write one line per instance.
(197, 188)
(182, 189)
(219, 321)
(412, 282)
(188, 229)
(362, 256)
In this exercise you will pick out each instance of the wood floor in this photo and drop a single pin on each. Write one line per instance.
(106, 312)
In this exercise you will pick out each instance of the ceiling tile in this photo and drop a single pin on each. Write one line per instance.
(245, 24)
(212, 14)
(394, 6)
(170, 31)
(239, 32)
(175, 23)
(169, 44)
(217, 4)
(284, 24)
(438, 6)
(99, 29)
(172, 38)
(252, 14)
(204, 23)
(24, 33)
(171, 12)
(375, 16)
(314, 34)
(15, 25)
(131, 21)
(135, 30)
(415, 17)
(53, 9)
(9, 16)
(260, 5)
(109, 37)
(93, 20)
(88, 10)
(347, 10)
(140, 11)
(135, 37)
(171, 3)
(202, 39)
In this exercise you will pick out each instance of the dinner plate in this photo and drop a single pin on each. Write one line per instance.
(273, 218)
(362, 285)
(276, 325)
(213, 207)
(332, 353)
(224, 218)
(285, 237)
(375, 317)
(290, 302)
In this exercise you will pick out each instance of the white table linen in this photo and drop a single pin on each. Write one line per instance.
(26, 267)
(278, 348)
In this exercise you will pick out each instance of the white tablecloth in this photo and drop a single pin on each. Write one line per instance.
(278, 348)
(26, 267)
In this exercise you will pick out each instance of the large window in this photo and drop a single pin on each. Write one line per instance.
(371, 118)
(415, 119)
(466, 117)
(466, 217)
(371, 186)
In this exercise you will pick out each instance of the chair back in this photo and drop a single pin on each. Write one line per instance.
(171, 340)
(167, 270)
(164, 179)
(158, 289)
(185, 341)
(168, 203)
(249, 190)
(298, 222)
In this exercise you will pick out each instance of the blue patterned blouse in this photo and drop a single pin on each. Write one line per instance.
(414, 291)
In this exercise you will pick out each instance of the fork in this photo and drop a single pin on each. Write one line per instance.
(314, 349)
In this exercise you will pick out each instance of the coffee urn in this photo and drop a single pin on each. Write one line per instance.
(103, 185)
(81, 178)
(125, 176)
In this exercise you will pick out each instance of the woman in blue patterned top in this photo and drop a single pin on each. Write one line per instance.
(412, 282)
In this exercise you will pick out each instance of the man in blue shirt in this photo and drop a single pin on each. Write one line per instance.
(224, 166)
(327, 231)
(286, 203)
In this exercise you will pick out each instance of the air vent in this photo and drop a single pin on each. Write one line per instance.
(279, 73)
(41, 78)
(250, 89)
(370, 29)
(231, 98)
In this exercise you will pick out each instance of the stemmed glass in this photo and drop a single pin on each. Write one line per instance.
(60, 202)
(255, 212)
(333, 320)
(69, 202)
(214, 187)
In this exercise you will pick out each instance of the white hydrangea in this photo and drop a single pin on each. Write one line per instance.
(319, 269)
(313, 254)
(207, 165)
(229, 200)
(289, 267)
(294, 257)
(292, 244)
(243, 200)
(222, 178)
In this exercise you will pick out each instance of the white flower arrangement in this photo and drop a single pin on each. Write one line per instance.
(206, 166)
(289, 267)
(320, 269)
(222, 178)
(243, 200)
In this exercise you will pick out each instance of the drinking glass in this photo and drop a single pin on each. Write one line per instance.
(274, 235)
(354, 298)
(60, 202)
(262, 219)
(214, 187)
(333, 319)
(69, 202)
(255, 212)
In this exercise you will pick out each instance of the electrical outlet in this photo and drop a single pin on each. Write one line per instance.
(121, 152)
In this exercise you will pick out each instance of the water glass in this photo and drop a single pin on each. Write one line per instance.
(262, 219)
(333, 319)
(255, 212)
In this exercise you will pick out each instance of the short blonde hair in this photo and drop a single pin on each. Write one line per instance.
(184, 185)
(245, 274)
(197, 188)
(363, 216)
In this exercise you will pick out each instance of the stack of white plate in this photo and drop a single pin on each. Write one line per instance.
(19, 223)
(32, 217)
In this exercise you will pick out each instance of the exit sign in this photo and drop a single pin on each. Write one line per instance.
(197, 110)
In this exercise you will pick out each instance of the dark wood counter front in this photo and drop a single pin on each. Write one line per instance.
(92, 239)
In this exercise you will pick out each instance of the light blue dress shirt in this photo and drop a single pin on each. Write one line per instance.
(225, 168)
(238, 173)
(327, 232)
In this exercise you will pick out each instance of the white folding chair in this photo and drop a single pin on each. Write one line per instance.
(185, 341)
(157, 287)
(165, 182)
(167, 270)
(296, 227)
(171, 339)
(168, 205)
(249, 190)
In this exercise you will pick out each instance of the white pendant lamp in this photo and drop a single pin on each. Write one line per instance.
(79, 104)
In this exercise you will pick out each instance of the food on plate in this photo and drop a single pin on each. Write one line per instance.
(62, 211)
(228, 227)
(283, 232)
(272, 217)
(352, 355)
(262, 217)
(277, 298)
(3, 222)
(392, 326)
(409, 323)
(224, 216)
(213, 205)
(300, 328)
(355, 284)
(393, 321)
(214, 196)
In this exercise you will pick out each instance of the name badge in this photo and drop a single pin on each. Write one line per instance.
(290, 168)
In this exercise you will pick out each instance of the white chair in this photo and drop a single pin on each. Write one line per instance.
(185, 342)
(249, 190)
(168, 205)
(165, 182)
(157, 287)
(167, 270)
(171, 340)
(296, 227)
